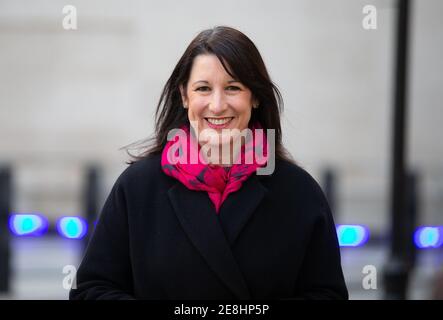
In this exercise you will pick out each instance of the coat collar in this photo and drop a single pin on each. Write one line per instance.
(214, 235)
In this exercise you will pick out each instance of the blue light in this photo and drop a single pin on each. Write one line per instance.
(72, 227)
(428, 237)
(28, 224)
(352, 235)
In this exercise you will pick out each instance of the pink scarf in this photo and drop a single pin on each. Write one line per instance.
(216, 180)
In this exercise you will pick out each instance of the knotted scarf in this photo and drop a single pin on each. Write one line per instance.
(199, 175)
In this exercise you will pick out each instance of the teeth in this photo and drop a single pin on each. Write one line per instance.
(218, 121)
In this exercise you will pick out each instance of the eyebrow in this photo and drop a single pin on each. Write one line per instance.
(204, 81)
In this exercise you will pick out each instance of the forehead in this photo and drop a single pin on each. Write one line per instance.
(208, 66)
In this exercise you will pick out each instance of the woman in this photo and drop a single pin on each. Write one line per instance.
(214, 228)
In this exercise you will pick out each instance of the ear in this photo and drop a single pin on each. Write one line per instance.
(255, 102)
(184, 96)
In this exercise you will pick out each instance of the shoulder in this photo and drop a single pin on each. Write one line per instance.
(145, 173)
(291, 181)
(142, 168)
(294, 175)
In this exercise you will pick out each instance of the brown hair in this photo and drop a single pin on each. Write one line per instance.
(241, 60)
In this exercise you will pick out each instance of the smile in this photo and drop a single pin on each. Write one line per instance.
(219, 121)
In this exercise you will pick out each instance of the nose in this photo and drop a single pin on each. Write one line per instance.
(218, 104)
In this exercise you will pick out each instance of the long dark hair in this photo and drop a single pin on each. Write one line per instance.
(241, 60)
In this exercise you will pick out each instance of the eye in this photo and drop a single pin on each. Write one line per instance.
(202, 88)
(233, 88)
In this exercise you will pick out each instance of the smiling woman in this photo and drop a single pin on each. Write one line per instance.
(217, 102)
(205, 230)
(220, 75)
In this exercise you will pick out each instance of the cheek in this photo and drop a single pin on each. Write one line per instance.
(244, 105)
(244, 121)
(194, 111)
(244, 116)
(196, 107)
(195, 114)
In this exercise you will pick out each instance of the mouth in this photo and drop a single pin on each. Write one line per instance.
(218, 123)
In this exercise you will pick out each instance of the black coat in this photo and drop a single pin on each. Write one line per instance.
(155, 239)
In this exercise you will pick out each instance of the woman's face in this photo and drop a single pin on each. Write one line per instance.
(214, 100)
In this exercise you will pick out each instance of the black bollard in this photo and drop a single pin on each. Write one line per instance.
(398, 270)
(330, 189)
(412, 211)
(396, 273)
(5, 240)
(91, 199)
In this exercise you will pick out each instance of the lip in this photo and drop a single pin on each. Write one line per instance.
(218, 126)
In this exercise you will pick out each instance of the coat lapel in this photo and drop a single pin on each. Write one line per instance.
(212, 237)
(239, 207)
